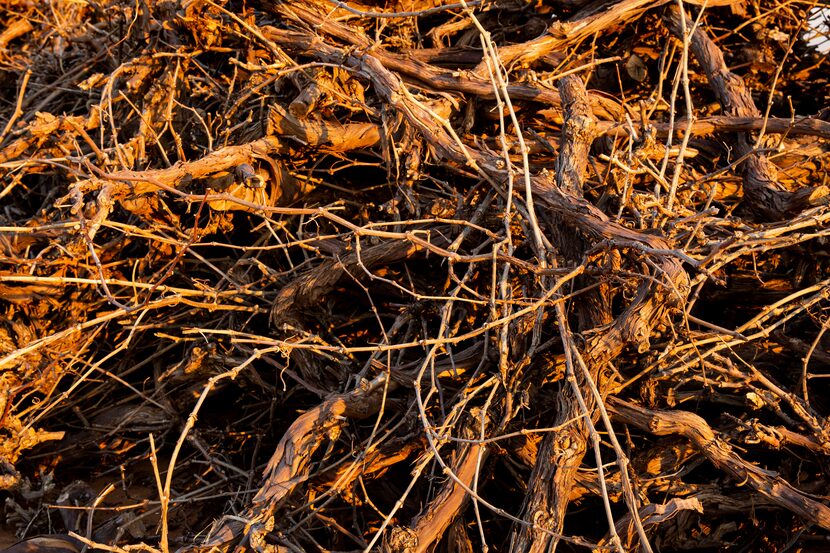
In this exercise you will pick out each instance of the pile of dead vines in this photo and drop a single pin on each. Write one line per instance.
(329, 276)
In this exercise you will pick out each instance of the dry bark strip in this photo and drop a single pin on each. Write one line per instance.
(765, 195)
(721, 454)
(429, 527)
(375, 462)
(47, 544)
(152, 180)
(326, 135)
(652, 515)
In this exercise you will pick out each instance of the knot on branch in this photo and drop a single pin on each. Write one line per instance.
(402, 540)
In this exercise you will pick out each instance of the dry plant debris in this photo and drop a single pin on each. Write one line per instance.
(412, 276)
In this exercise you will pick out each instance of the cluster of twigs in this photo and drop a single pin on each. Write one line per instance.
(312, 275)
